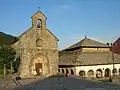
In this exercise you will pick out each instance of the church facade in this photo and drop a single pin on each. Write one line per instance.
(89, 58)
(37, 48)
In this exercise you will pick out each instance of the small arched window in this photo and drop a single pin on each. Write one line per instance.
(39, 23)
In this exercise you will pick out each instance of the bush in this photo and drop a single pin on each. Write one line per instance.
(8, 71)
(1, 71)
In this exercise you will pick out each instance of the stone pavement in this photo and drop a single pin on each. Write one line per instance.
(7, 83)
(68, 83)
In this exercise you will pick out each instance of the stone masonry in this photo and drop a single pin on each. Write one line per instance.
(38, 49)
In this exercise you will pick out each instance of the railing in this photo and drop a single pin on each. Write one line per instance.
(15, 80)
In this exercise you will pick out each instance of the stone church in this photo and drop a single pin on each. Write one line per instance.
(37, 49)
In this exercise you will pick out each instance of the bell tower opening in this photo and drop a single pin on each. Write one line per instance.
(38, 20)
(39, 23)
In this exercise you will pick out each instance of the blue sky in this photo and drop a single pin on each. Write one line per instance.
(69, 20)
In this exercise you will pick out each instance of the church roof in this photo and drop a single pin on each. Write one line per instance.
(88, 58)
(118, 40)
(74, 56)
(31, 29)
(87, 43)
(68, 58)
(39, 12)
(25, 32)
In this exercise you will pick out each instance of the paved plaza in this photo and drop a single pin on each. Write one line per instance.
(64, 83)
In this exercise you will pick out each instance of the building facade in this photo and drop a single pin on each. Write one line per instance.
(116, 46)
(89, 58)
(37, 48)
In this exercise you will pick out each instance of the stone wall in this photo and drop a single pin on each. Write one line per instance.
(34, 42)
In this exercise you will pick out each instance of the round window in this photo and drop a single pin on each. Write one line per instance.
(39, 42)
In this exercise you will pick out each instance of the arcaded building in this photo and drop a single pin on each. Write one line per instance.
(89, 58)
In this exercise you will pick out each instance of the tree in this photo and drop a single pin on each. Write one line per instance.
(16, 63)
(7, 55)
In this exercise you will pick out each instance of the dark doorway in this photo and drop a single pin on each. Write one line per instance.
(62, 70)
(72, 72)
(119, 71)
(107, 72)
(67, 71)
(38, 68)
(114, 71)
(59, 70)
(99, 73)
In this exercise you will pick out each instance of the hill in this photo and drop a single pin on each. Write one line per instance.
(6, 39)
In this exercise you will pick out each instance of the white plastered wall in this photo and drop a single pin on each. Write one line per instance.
(96, 67)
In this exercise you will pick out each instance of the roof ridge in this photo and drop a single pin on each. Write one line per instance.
(87, 42)
(52, 33)
(39, 12)
(24, 32)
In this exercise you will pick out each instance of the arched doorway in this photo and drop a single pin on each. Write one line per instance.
(107, 72)
(63, 71)
(38, 68)
(72, 72)
(99, 73)
(119, 71)
(39, 65)
(114, 71)
(58, 70)
(67, 71)
(82, 73)
(90, 73)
